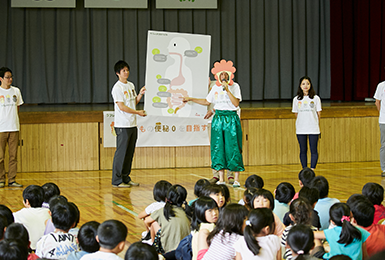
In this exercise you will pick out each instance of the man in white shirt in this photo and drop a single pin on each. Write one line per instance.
(10, 100)
(380, 99)
(125, 101)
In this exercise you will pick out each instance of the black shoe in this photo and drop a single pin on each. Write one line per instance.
(15, 184)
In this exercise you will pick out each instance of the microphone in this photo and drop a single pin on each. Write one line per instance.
(224, 80)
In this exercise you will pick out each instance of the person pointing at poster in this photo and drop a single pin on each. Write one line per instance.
(226, 131)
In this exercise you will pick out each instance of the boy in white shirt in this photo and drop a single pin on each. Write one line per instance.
(33, 216)
(10, 101)
(58, 244)
(125, 101)
(111, 237)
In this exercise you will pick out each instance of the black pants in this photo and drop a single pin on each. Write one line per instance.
(313, 141)
(125, 148)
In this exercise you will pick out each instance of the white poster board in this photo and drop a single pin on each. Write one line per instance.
(177, 65)
(160, 131)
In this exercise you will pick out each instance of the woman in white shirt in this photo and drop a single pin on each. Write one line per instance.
(307, 109)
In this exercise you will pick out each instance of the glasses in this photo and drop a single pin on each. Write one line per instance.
(12, 77)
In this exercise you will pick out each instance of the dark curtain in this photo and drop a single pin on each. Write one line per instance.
(357, 35)
(67, 55)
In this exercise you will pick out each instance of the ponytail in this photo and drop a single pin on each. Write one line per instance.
(168, 211)
(176, 196)
(251, 242)
(340, 214)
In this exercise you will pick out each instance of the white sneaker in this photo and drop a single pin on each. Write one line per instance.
(148, 242)
(236, 184)
(220, 182)
(144, 234)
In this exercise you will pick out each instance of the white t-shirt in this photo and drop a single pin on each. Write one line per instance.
(33, 220)
(269, 244)
(10, 99)
(220, 98)
(154, 206)
(101, 256)
(124, 92)
(56, 245)
(307, 119)
(380, 95)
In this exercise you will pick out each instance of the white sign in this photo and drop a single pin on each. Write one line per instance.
(161, 131)
(115, 3)
(44, 3)
(177, 66)
(187, 4)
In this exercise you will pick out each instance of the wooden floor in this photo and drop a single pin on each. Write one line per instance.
(97, 200)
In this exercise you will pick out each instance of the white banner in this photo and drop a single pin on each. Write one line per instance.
(161, 131)
(177, 66)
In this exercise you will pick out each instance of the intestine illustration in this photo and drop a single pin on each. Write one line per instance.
(177, 81)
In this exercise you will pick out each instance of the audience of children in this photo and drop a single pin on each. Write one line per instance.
(284, 193)
(258, 241)
(344, 238)
(375, 193)
(350, 229)
(33, 216)
(324, 202)
(229, 228)
(171, 223)
(363, 214)
(264, 199)
(205, 216)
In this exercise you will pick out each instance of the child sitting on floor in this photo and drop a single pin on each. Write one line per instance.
(375, 193)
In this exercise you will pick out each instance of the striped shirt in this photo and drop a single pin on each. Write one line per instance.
(222, 247)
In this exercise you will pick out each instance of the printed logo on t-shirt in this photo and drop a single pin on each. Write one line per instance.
(299, 104)
(14, 98)
(312, 104)
(216, 95)
(8, 98)
(2, 100)
(126, 94)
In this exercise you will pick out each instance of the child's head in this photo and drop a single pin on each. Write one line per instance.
(13, 250)
(226, 193)
(363, 212)
(340, 215)
(248, 195)
(141, 251)
(322, 185)
(160, 190)
(112, 235)
(33, 196)
(214, 191)
(254, 181)
(374, 192)
(230, 220)
(285, 192)
(75, 214)
(87, 237)
(260, 222)
(300, 240)
(120, 65)
(305, 176)
(262, 199)
(199, 185)
(311, 194)
(17, 231)
(50, 190)
(61, 216)
(176, 196)
(57, 199)
(301, 211)
(3, 70)
(205, 211)
(7, 213)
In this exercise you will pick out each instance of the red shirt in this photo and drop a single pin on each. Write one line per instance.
(379, 213)
(376, 241)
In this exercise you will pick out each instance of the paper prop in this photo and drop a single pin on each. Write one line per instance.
(223, 67)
